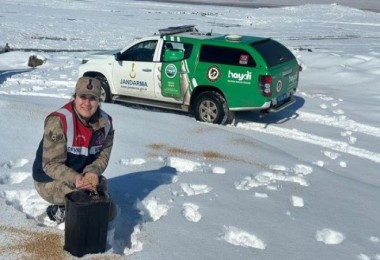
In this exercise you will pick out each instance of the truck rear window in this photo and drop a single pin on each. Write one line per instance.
(273, 52)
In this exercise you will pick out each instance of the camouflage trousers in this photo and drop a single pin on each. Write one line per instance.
(54, 192)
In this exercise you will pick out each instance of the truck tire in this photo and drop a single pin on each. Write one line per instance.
(209, 107)
(105, 96)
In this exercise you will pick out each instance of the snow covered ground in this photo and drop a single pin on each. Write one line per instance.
(300, 184)
(372, 5)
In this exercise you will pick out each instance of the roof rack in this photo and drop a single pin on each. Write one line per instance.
(177, 29)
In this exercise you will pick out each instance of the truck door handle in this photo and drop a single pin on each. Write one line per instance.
(147, 70)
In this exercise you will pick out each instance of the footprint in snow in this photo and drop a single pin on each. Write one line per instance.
(218, 170)
(301, 169)
(297, 202)
(28, 202)
(239, 237)
(319, 163)
(343, 164)
(277, 167)
(15, 164)
(191, 212)
(338, 112)
(136, 244)
(132, 161)
(362, 256)
(348, 135)
(298, 169)
(186, 166)
(334, 156)
(182, 165)
(195, 189)
(261, 195)
(331, 155)
(13, 177)
(280, 174)
(329, 236)
(324, 98)
(153, 209)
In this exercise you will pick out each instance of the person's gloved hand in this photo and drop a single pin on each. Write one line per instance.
(89, 181)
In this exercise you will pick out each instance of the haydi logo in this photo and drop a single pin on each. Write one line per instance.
(240, 76)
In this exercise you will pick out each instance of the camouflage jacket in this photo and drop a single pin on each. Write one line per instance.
(70, 146)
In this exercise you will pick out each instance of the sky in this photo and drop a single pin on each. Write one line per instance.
(302, 183)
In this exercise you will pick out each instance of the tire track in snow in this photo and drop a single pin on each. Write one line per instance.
(311, 139)
(338, 122)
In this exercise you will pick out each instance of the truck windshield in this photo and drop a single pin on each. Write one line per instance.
(273, 52)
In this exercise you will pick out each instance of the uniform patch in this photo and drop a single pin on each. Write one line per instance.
(99, 138)
(56, 137)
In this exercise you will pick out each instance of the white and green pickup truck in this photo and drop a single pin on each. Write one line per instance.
(210, 75)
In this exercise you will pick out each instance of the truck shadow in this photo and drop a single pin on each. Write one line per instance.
(280, 117)
(127, 192)
(273, 118)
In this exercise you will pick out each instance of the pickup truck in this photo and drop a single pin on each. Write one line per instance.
(208, 75)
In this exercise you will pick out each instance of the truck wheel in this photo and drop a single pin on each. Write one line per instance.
(209, 107)
(230, 118)
(106, 93)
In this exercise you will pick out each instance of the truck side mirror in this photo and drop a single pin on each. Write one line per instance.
(118, 56)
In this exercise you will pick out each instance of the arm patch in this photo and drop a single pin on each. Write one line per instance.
(56, 137)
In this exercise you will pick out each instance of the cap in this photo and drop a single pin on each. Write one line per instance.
(88, 86)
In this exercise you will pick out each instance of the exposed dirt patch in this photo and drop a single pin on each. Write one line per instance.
(34, 245)
(158, 149)
(175, 151)
(242, 141)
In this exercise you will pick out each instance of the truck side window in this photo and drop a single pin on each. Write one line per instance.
(142, 51)
(186, 47)
(228, 56)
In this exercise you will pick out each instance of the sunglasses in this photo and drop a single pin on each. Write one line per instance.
(88, 97)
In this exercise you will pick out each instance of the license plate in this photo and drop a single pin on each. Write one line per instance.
(282, 97)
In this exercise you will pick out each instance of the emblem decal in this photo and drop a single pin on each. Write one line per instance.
(279, 86)
(132, 74)
(170, 71)
(213, 73)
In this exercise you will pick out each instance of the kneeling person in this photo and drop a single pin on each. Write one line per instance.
(75, 149)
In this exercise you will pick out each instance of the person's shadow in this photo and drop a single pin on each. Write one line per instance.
(127, 191)
(5, 74)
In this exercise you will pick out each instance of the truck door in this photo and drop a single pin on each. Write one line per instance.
(171, 73)
(133, 71)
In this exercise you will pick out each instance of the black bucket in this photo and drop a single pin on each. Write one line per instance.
(86, 223)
